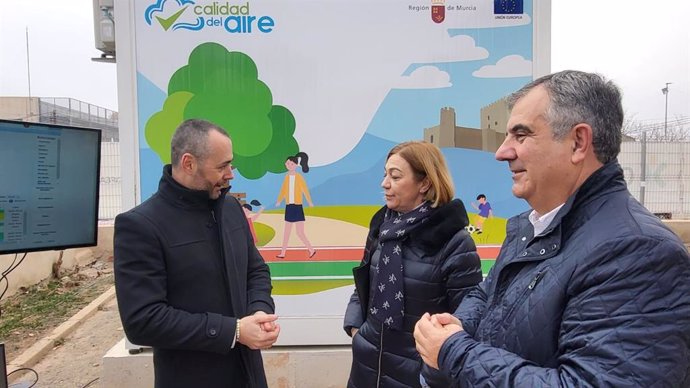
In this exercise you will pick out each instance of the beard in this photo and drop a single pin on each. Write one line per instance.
(213, 188)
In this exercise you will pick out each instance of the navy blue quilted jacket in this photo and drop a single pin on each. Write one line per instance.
(600, 299)
(441, 266)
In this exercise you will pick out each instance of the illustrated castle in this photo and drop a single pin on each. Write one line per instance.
(493, 121)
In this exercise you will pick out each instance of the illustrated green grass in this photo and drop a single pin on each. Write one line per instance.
(493, 231)
(493, 234)
(317, 268)
(264, 233)
(354, 214)
(301, 287)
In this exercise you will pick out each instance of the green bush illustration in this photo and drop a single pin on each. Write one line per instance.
(224, 88)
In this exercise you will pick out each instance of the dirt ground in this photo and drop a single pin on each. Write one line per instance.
(76, 361)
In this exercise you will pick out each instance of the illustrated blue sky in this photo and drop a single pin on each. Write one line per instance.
(405, 112)
(402, 115)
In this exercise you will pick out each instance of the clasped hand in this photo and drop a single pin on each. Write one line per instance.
(431, 331)
(259, 331)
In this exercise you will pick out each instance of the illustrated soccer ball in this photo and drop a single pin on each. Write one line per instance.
(471, 229)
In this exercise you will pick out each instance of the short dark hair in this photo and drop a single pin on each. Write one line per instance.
(577, 97)
(480, 196)
(192, 137)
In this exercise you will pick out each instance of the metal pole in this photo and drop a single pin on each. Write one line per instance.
(30, 112)
(666, 114)
(28, 70)
(643, 166)
(681, 188)
(665, 91)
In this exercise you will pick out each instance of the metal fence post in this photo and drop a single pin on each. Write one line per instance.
(643, 166)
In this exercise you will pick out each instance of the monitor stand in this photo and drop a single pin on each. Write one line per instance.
(3, 373)
(3, 367)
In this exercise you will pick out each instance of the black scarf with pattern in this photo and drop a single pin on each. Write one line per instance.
(388, 301)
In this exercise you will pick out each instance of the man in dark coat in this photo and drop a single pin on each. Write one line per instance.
(590, 289)
(189, 280)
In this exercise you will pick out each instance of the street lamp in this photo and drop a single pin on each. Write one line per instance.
(665, 91)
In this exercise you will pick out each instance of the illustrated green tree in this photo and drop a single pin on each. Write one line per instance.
(224, 88)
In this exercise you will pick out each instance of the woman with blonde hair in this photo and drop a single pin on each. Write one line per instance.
(418, 258)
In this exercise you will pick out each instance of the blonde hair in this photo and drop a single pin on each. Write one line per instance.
(427, 161)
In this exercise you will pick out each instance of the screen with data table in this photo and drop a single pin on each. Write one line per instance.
(49, 179)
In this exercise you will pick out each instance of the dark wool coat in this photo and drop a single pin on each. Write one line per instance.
(181, 288)
(440, 266)
(600, 299)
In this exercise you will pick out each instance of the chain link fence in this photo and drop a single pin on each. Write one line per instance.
(658, 175)
(110, 191)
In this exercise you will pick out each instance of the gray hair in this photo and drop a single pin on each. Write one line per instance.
(192, 137)
(578, 97)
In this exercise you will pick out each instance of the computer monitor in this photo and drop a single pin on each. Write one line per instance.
(49, 179)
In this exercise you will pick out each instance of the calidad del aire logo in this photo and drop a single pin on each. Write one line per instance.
(193, 15)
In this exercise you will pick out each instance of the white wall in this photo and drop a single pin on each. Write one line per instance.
(38, 266)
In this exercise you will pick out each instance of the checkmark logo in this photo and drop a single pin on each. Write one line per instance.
(166, 23)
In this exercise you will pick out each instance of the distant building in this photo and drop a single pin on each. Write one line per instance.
(447, 134)
(489, 137)
(494, 121)
(66, 111)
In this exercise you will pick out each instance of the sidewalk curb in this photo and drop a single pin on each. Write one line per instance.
(38, 350)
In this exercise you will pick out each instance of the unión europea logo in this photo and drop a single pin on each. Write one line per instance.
(508, 7)
(191, 15)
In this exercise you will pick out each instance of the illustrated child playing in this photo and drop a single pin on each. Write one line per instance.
(484, 209)
(252, 216)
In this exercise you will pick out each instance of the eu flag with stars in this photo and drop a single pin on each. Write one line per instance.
(509, 7)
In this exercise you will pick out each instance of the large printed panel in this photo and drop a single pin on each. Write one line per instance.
(337, 83)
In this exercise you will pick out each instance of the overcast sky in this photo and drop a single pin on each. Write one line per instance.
(639, 44)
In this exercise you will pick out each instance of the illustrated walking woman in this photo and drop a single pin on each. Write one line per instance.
(293, 188)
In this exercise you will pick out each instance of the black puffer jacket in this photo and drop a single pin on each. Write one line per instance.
(441, 265)
(600, 299)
